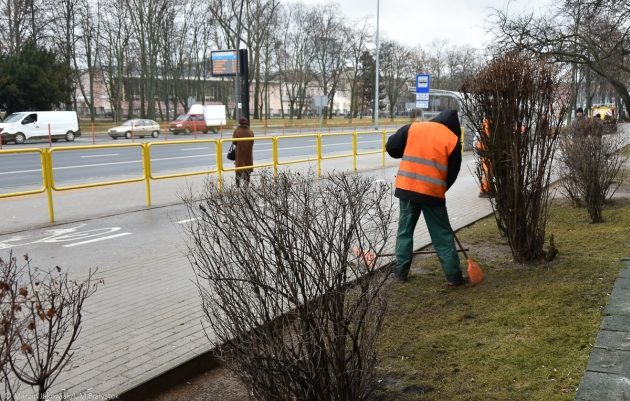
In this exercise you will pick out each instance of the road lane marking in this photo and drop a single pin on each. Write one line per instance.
(22, 171)
(187, 220)
(182, 157)
(106, 155)
(97, 239)
(185, 149)
(173, 158)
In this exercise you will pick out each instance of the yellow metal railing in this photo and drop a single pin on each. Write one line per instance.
(353, 153)
(49, 185)
(383, 135)
(42, 158)
(95, 184)
(296, 161)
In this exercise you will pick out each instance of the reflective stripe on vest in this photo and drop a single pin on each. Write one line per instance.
(424, 165)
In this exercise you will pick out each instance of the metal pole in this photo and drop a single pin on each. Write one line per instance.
(377, 70)
(237, 81)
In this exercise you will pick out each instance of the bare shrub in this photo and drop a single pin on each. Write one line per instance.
(591, 165)
(295, 313)
(515, 106)
(42, 314)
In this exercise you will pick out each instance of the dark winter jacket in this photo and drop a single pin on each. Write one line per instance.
(396, 147)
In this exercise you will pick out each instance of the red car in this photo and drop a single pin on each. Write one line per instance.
(187, 123)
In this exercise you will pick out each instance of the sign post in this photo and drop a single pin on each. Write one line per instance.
(233, 63)
(423, 86)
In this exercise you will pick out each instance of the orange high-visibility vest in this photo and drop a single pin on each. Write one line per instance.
(424, 165)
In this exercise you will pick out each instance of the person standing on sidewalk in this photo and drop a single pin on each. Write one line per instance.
(244, 151)
(431, 158)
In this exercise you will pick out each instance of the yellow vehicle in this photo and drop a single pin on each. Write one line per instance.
(608, 114)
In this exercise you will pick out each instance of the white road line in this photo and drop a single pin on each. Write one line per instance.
(185, 149)
(172, 158)
(182, 157)
(107, 155)
(187, 220)
(96, 240)
(39, 170)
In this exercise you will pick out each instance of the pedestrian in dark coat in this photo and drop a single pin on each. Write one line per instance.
(244, 151)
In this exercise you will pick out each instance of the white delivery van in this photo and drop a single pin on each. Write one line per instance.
(213, 114)
(25, 125)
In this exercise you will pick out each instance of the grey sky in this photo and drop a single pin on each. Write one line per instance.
(419, 22)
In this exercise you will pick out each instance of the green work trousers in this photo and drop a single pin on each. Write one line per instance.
(441, 234)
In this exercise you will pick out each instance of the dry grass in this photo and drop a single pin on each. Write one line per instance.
(525, 333)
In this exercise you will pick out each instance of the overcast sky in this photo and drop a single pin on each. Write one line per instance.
(419, 22)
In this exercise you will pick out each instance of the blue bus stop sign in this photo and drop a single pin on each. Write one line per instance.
(423, 86)
(423, 83)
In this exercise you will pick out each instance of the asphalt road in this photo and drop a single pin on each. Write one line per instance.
(20, 172)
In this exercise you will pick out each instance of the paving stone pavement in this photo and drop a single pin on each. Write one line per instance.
(147, 318)
(607, 376)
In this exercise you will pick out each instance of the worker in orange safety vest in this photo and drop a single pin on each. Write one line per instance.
(431, 159)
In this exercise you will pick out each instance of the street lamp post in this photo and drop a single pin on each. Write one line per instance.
(377, 71)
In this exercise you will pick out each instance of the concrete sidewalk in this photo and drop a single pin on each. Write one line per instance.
(147, 318)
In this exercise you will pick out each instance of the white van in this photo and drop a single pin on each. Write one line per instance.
(213, 114)
(25, 125)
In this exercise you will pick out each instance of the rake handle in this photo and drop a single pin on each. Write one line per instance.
(460, 245)
(417, 252)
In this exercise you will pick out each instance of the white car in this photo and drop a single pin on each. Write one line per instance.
(137, 128)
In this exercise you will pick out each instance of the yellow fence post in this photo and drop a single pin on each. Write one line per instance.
(383, 141)
(47, 171)
(274, 155)
(354, 149)
(319, 155)
(462, 137)
(146, 167)
(219, 159)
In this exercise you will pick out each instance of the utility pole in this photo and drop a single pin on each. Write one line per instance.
(376, 105)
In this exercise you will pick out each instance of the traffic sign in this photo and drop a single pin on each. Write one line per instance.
(422, 104)
(423, 83)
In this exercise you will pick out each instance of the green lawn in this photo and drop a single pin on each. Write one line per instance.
(523, 334)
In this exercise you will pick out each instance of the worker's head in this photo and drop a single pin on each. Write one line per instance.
(579, 113)
(243, 122)
(450, 119)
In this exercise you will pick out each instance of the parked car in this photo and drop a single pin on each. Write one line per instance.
(202, 118)
(22, 126)
(137, 128)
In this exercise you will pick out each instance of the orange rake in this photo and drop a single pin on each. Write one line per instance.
(475, 274)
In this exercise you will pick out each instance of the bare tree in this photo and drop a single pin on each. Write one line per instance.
(14, 15)
(594, 33)
(113, 58)
(294, 55)
(293, 311)
(64, 33)
(358, 39)
(260, 18)
(86, 54)
(437, 61)
(516, 106)
(329, 50)
(397, 70)
(145, 16)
